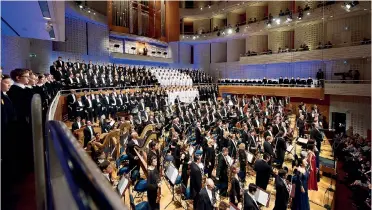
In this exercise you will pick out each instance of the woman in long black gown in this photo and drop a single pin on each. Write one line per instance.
(235, 194)
(153, 183)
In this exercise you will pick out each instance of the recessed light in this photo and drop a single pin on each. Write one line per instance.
(95, 13)
(322, 18)
(331, 16)
(88, 11)
(308, 13)
(47, 18)
(52, 38)
(81, 6)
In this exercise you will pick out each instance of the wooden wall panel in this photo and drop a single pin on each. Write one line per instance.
(273, 91)
(172, 21)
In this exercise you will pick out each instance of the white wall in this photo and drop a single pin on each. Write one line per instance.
(202, 56)
(357, 110)
(235, 48)
(184, 53)
(218, 52)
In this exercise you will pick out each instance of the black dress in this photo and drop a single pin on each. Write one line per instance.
(234, 193)
(152, 188)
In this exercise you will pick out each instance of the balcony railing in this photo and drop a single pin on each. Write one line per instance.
(348, 87)
(261, 26)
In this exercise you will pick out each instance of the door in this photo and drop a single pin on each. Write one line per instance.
(339, 122)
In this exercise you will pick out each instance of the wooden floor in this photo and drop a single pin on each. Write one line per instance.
(317, 198)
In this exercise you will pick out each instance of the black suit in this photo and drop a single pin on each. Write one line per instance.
(195, 182)
(204, 202)
(280, 150)
(88, 135)
(131, 154)
(282, 194)
(263, 172)
(268, 148)
(317, 136)
(249, 203)
(301, 127)
(198, 136)
(75, 126)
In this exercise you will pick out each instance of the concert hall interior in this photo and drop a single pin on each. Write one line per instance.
(158, 104)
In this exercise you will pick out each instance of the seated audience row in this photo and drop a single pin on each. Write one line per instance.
(292, 82)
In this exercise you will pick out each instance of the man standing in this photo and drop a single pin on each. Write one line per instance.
(263, 171)
(88, 133)
(195, 179)
(282, 191)
(316, 135)
(207, 197)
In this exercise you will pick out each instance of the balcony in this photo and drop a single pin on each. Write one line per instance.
(260, 28)
(135, 57)
(344, 51)
(351, 87)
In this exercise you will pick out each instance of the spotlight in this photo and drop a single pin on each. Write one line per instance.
(223, 33)
(308, 13)
(201, 8)
(88, 11)
(193, 37)
(94, 13)
(81, 6)
(277, 21)
(348, 6)
(209, 6)
(289, 19)
(183, 37)
(229, 31)
(269, 25)
(300, 18)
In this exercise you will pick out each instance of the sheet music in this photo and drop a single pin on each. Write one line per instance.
(122, 185)
(112, 123)
(250, 157)
(261, 197)
(289, 147)
(229, 160)
(172, 173)
(302, 140)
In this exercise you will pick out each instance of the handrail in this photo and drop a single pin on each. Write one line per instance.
(348, 81)
(273, 85)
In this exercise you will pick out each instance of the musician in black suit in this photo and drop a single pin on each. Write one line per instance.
(268, 148)
(195, 179)
(268, 132)
(77, 124)
(133, 158)
(263, 171)
(176, 125)
(222, 173)
(249, 201)
(275, 128)
(59, 62)
(282, 191)
(316, 135)
(219, 132)
(300, 124)
(280, 148)
(198, 135)
(88, 133)
(89, 109)
(205, 202)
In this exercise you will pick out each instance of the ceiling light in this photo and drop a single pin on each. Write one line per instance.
(81, 6)
(229, 31)
(193, 37)
(308, 13)
(331, 16)
(274, 19)
(95, 13)
(183, 37)
(88, 11)
(348, 6)
(300, 18)
(277, 21)
(223, 33)
(47, 18)
(267, 25)
(365, 9)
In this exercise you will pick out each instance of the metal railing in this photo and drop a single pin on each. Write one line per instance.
(270, 85)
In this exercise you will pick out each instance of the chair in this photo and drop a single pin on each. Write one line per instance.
(121, 159)
(123, 170)
(144, 205)
(140, 188)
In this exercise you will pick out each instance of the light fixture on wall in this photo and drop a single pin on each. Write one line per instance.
(209, 6)
(229, 31)
(277, 21)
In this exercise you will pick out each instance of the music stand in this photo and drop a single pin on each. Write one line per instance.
(262, 197)
(171, 175)
(233, 207)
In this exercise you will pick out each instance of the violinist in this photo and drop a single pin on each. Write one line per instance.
(153, 185)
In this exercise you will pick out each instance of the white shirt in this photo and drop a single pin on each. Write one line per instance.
(90, 103)
(210, 195)
(91, 130)
(19, 85)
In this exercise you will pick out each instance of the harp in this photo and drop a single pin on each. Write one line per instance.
(111, 145)
(148, 134)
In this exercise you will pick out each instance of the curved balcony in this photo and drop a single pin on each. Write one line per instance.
(348, 87)
(261, 27)
(342, 51)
